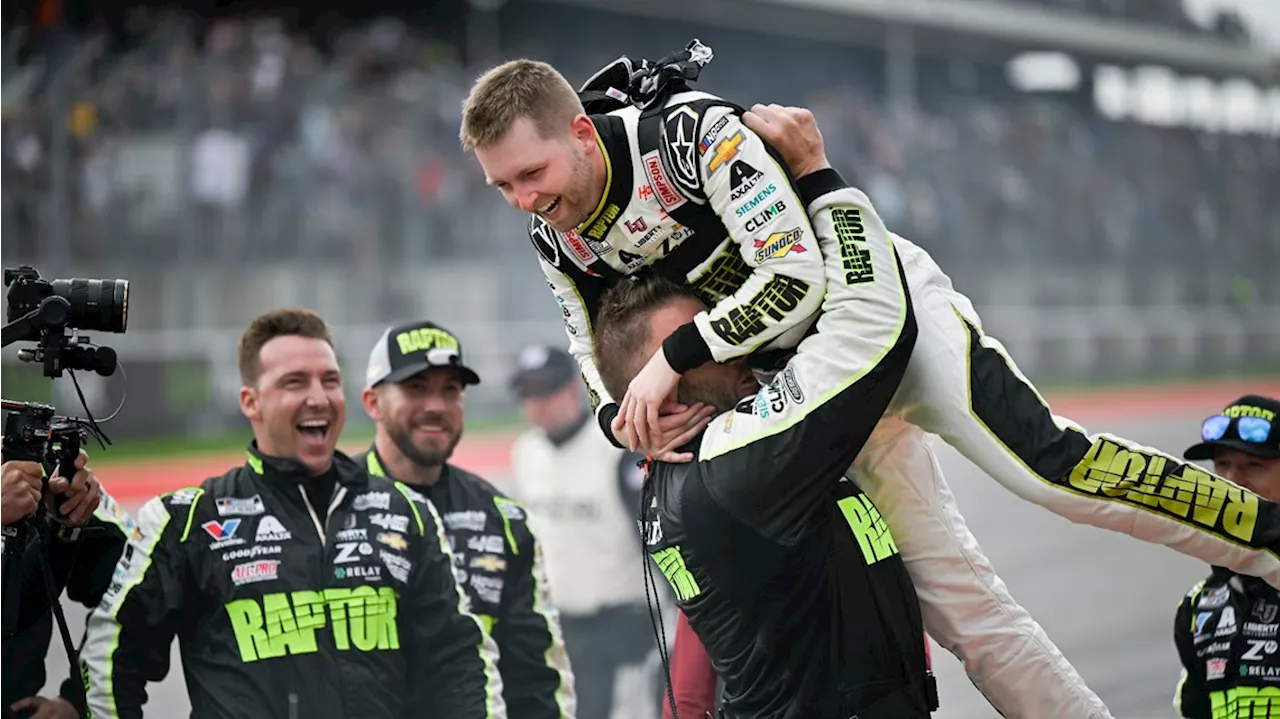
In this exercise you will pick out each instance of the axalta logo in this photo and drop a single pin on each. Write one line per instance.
(284, 623)
(668, 197)
(779, 244)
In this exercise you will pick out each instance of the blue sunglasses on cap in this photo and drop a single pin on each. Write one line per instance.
(1254, 430)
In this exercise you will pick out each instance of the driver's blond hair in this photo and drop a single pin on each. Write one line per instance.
(515, 89)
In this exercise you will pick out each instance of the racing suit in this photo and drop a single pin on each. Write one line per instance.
(784, 568)
(960, 384)
(499, 563)
(244, 569)
(1225, 632)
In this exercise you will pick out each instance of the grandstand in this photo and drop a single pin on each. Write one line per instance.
(230, 163)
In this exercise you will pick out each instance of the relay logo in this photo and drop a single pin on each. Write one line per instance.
(221, 530)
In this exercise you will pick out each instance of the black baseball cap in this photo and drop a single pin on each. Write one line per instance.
(1261, 439)
(403, 351)
(542, 370)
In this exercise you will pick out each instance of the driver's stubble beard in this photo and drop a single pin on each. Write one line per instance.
(400, 437)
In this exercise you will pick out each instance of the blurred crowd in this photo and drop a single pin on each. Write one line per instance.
(1225, 24)
(246, 139)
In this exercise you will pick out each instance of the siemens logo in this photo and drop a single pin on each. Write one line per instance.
(750, 204)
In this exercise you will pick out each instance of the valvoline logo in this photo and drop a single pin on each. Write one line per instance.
(222, 530)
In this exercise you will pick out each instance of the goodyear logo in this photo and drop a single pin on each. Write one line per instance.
(423, 339)
(779, 244)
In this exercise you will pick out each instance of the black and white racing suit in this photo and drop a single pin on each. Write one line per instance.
(697, 195)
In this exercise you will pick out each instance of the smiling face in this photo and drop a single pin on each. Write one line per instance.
(296, 405)
(559, 177)
(422, 416)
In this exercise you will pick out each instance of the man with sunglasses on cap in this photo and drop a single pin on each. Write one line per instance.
(415, 394)
(1226, 627)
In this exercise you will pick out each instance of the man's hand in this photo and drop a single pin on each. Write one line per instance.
(677, 424)
(655, 384)
(791, 131)
(20, 494)
(58, 708)
(80, 495)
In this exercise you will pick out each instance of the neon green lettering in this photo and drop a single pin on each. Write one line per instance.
(365, 614)
(308, 611)
(677, 574)
(868, 527)
(246, 622)
(389, 632)
(336, 598)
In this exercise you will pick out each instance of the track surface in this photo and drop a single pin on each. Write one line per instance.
(1105, 599)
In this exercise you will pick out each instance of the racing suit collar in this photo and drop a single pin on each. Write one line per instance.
(376, 467)
(285, 469)
(615, 150)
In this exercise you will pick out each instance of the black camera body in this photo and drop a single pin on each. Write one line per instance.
(33, 434)
(42, 311)
(101, 305)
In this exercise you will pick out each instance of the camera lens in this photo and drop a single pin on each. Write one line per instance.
(101, 305)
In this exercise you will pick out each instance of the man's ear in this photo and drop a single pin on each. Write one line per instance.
(370, 399)
(584, 132)
(249, 406)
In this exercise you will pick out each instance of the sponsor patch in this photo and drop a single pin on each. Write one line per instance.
(471, 520)
(262, 570)
(1215, 668)
(371, 500)
(397, 566)
(1214, 598)
(580, 249)
(489, 563)
(710, 135)
(792, 384)
(779, 244)
(395, 540)
(668, 196)
(491, 543)
(725, 151)
(257, 550)
(242, 506)
(393, 522)
(221, 531)
(183, 496)
(742, 178)
(271, 530)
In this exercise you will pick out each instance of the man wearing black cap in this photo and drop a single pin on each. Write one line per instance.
(1226, 627)
(414, 393)
(583, 495)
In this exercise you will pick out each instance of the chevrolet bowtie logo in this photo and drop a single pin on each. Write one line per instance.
(725, 151)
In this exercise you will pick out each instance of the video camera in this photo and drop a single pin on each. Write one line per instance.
(42, 312)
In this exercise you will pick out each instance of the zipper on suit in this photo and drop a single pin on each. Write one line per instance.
(325, 573)
(322, 527)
